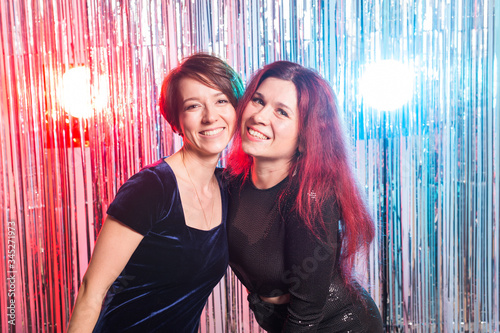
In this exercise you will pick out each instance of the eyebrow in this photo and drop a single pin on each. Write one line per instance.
(196, 98)
(279, 104)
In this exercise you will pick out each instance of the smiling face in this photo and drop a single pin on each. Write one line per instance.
(270, 123)
(207, 118)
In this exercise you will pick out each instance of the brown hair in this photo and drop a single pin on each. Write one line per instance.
(205, 68)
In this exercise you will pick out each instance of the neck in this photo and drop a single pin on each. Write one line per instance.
(200, 168)
(268, 174)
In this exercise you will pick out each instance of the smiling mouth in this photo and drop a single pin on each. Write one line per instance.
(256, 134)
(212, 132)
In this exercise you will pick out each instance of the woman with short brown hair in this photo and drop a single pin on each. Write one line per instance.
(163, 246)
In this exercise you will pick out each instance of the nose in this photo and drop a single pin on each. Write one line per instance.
(209, 115)
(261, 116)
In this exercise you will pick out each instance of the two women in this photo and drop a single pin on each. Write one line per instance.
(295, 224)
(296, 218)
(163, 246)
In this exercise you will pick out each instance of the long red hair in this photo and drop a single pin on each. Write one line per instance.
(323, 165)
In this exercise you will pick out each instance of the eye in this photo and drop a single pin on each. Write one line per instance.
(222, 101)
(282, 112)
(258, 100)
(191, 107)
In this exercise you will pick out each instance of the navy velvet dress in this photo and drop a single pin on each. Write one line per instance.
(166, 283)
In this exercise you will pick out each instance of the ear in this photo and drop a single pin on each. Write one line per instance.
(300, 147)
(177, 131)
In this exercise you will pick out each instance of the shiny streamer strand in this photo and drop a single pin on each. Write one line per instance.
(429, 169)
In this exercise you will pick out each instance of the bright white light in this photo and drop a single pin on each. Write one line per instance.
(386, 85)
(76, 96)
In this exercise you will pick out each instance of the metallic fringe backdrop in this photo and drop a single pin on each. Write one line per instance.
(430, 168)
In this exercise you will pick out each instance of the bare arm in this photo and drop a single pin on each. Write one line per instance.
(114, 247)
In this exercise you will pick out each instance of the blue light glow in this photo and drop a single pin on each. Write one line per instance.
(386, 85)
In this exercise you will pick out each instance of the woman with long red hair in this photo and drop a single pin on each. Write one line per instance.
(297, 219)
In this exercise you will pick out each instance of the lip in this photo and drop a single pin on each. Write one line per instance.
(253, 138)
(217, 134)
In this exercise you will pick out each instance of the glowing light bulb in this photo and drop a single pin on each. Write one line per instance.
(77, 99)
(386, 85)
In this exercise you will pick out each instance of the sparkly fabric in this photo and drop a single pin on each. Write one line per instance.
(166, 283)
(273, 253)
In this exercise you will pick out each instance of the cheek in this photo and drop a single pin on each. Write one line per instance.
(286, 131)
(231, 117)
(231, 125)
(289, 136)
(245, 116)
(187, 119)
(243, 122)
(247, 113)
(182, 122)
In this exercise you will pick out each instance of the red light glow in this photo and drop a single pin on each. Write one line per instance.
(76, 93)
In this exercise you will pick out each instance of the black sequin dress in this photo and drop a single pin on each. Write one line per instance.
(273, 253)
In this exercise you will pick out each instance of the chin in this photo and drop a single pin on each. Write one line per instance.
(249, 150)
(246, 147)
(216, 149)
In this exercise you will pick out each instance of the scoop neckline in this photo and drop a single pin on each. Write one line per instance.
(182, 206)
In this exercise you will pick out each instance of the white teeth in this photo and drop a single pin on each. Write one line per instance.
(257, 134)
(212, 132)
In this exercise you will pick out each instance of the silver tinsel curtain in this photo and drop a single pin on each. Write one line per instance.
(430, 167)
